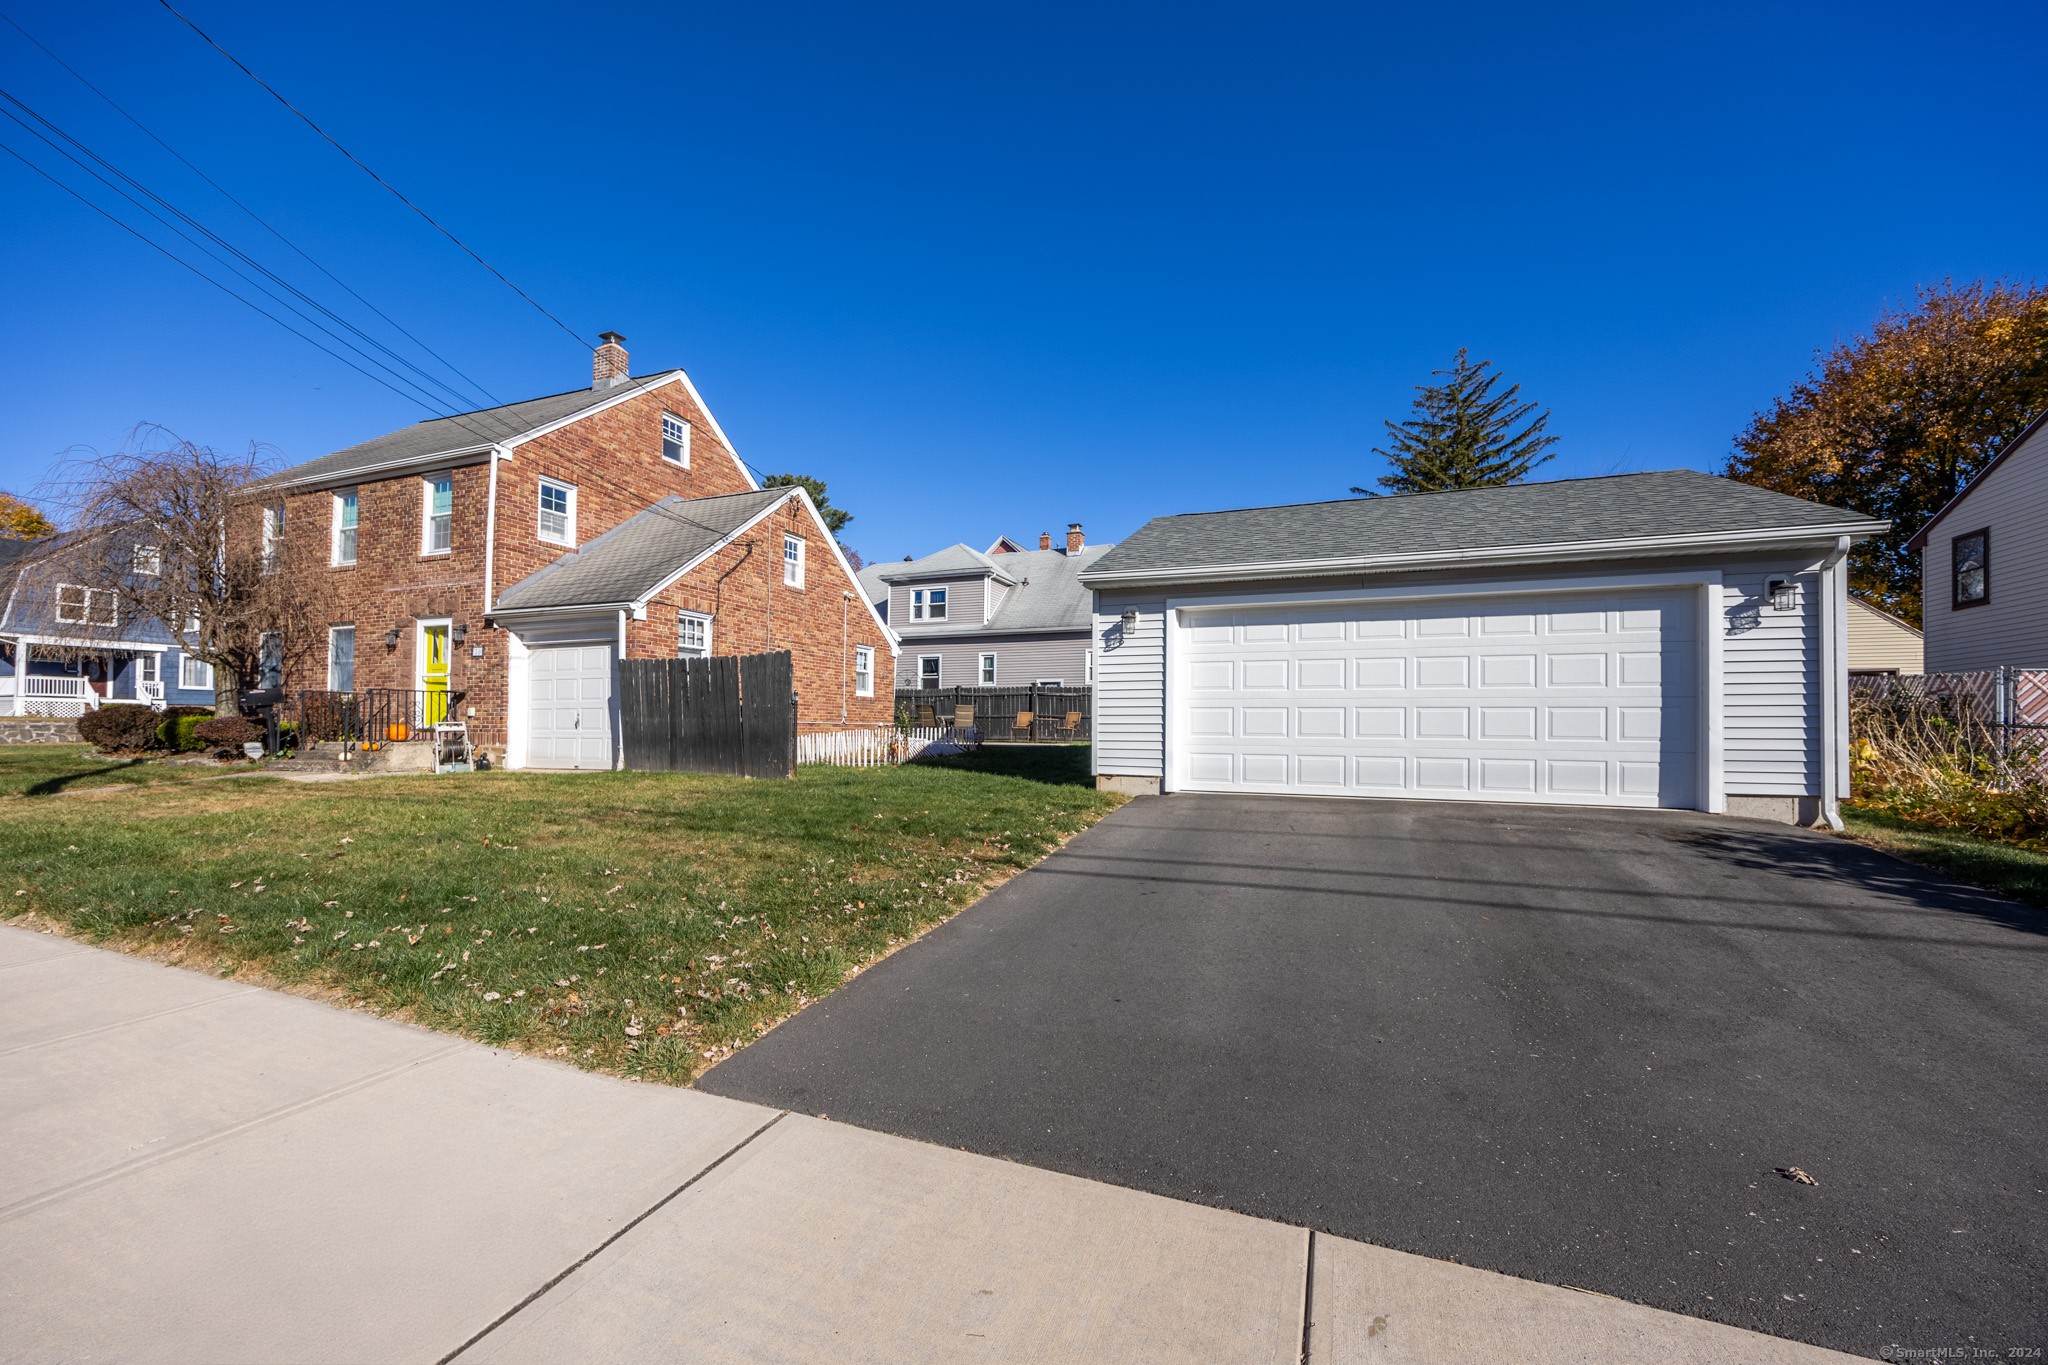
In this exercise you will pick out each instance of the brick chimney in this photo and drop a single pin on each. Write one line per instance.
(1045, 540)
(1074, 537)
(608, 364)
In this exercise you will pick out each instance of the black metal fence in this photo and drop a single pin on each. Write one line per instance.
(1056, 713)
(371, 718)
(730, 715)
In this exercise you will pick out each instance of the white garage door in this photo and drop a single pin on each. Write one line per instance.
(1566, 698)
(570, 716)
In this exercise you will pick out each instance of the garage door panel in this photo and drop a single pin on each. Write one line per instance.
(569, 721)
(1591, 701)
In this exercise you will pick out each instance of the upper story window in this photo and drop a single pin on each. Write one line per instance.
(693, 635)
(438, 534)
(273, 533)
(1972, 568)
(345, 527)
(928, 604)
(557, 513)
(863, 670)
(149, 561)
(78, 606)
(793, 561)
(675, 440)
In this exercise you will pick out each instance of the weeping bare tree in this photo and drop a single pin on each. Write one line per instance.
(170, 530)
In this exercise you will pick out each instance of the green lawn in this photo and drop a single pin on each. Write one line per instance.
(47, 769)
(2016, 872)
(643, 923)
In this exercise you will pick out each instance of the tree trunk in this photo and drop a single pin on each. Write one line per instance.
(227, 690)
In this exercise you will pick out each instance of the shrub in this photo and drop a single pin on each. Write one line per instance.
(1939, 764)
(178, 732)
(119, 727)
(227, 732)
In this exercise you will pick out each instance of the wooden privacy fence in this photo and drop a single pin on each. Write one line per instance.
(998, 710)
(730, 715)
(878, 746)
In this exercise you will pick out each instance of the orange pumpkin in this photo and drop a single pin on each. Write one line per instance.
(399, 732)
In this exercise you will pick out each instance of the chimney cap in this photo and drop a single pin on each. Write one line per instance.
(615, 338)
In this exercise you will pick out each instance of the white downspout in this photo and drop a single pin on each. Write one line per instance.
(618, 666)
(1834, 680)
(845, 607)
(491, 530)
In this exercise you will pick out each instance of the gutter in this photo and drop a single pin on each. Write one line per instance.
(1834, 680)
(1554, 552)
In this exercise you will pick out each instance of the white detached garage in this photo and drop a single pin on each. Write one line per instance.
(1668, 639)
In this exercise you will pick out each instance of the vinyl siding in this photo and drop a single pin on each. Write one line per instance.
(1876, 641)
(1770, 673)
(1021, 660)
(2012, 628)
(963, 602)
(1130, 686)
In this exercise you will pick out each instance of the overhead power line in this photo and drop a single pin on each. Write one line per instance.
(492, 398)
(376, 177)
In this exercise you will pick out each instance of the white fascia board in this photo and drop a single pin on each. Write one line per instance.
(391, 469)
(514, 615)
(101, 646)
(1726, 542)
(1403, 592)
(691, 565)
(973, 633)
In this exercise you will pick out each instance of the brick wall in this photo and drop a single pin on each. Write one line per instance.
(753, 611)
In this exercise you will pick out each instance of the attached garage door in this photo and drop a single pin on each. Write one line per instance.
(570, 718)
(1566, 698)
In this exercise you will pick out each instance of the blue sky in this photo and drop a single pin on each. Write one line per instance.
(993, 272)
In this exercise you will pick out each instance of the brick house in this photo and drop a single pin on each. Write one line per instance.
(481, 552)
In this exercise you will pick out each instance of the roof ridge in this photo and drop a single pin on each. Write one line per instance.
(1444, 492)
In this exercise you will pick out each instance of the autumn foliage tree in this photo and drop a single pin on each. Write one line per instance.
(1894, 422)
(20, 520)
(161, 529)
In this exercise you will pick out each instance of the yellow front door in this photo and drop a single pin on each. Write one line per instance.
(434, 674)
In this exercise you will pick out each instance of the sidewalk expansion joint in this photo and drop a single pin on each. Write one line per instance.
(1308, 1294)
(39, 961)
(22, 1207)
(122, 1023)
(656, 1207)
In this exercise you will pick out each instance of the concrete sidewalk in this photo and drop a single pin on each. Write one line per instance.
(202, 1171)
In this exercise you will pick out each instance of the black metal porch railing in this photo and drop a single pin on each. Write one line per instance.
(373, 717)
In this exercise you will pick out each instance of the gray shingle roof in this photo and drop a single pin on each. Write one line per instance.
(441, 435)
(1046, 594)
(1673, 502)
(632, 559)
(954, 559)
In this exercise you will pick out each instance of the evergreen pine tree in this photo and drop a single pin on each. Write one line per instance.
(1462, 435)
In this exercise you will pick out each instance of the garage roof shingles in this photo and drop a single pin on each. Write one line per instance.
(628, 562)
(1674, 502)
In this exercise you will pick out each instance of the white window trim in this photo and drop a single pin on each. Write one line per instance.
(568, 488)
(273, 532)
(792, 569)
(189, 667)
(85, 607)
(684, 441)
(149, 667)
(938, 675)
(341, 497)
(683, 616)
(153, 556)
(427, 483)
(863, 667)
(1049, 682)
(332, 631)
(985, 668)
(923, 600)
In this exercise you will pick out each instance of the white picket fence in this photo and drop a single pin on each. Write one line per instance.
(880, 746)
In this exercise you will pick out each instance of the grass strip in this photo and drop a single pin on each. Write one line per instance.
(2016, 872)
(641, 923)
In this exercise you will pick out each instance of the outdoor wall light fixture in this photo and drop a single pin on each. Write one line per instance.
(391, 638)
(1129, 620)
(460, 633)
(1784, 594)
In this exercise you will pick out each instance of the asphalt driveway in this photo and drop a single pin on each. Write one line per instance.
(1570, 1045)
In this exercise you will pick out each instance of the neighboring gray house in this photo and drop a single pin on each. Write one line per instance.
(1984, 564)
(1667, 639)
(1004, 617)
(65, 649)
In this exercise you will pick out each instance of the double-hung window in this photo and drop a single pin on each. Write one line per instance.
(149, 561)
(863, 670)
(345, 527)
(793, 561)
(78, 606)
(1972, 555)
(341, 659)
(928, 604)
(193, 675)
(557, 513)
(273, 534)
(438, 497)
(988, 670)
(928, 672)
(675, 440)
(693, 635)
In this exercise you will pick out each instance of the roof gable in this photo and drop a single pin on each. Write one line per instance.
(2035, 434)
(630, 562)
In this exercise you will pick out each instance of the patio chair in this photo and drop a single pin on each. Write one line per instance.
(927, 715)
(963, 718)
(1070, 727)
(1026, 725)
